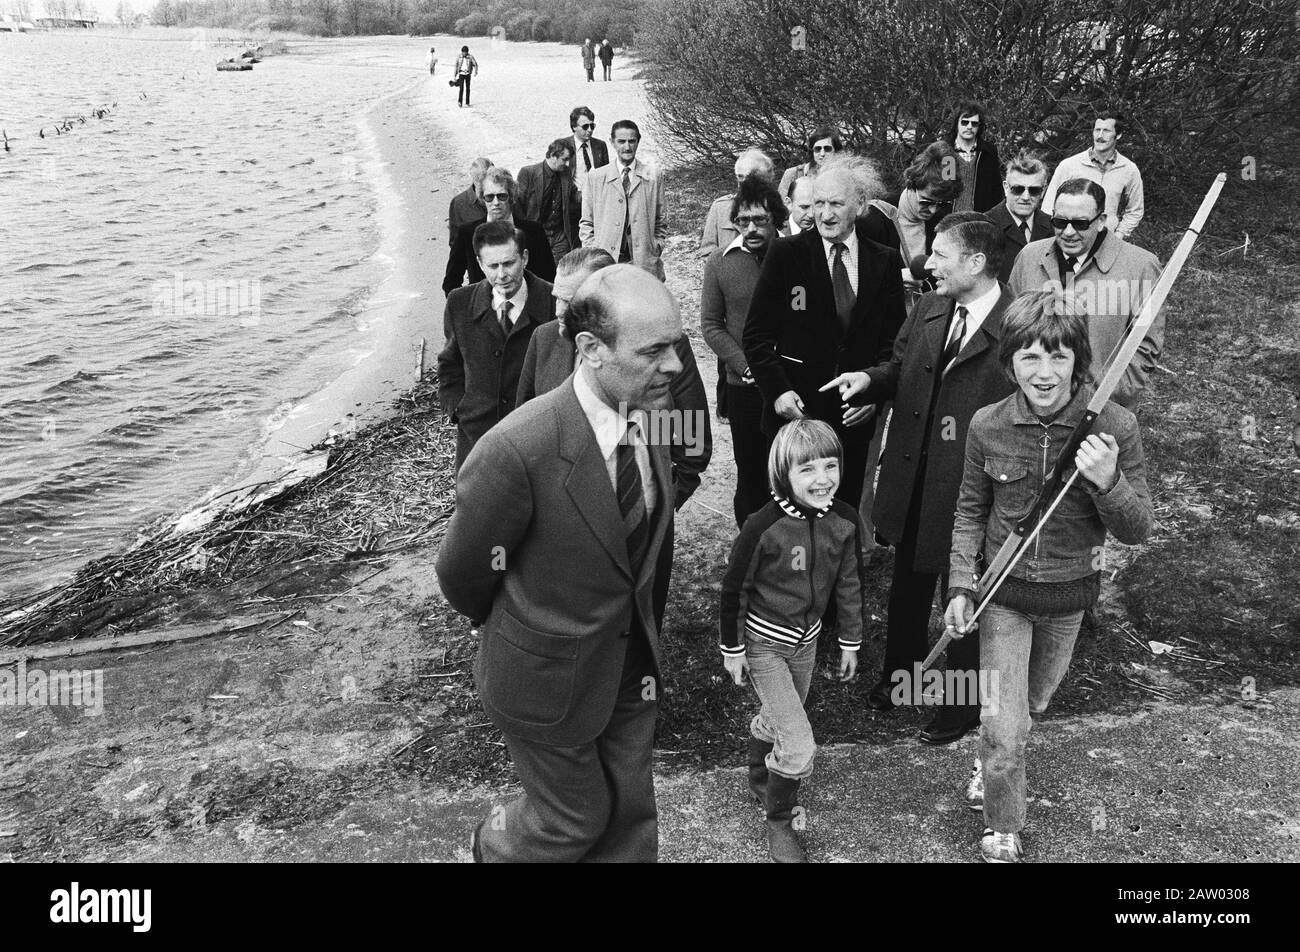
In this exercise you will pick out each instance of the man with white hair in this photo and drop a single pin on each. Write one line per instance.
(826, 299)
(719, 232)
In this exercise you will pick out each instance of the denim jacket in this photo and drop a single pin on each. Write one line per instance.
(1009, 454)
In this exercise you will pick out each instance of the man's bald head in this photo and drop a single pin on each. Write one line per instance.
(626, 325)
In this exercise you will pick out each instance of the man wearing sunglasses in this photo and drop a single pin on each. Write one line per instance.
(588, 151)
(1108, 278)
(1019, 216)
(500, 195)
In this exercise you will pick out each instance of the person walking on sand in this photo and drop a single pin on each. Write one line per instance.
(606, 57)
(771, 612)
(431, 60)
(466, 69)
(589, 59)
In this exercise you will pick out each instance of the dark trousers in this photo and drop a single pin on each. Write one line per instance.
(591, 803)
(853, 474)
(750, 447)
(462, 95)
(590, 71)
(911, 596)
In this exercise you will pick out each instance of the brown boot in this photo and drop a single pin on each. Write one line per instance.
(758, 751)
(781, 797)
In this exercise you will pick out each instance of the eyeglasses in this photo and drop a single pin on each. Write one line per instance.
(762, 221)
(1034, 190)
(496, 197)
(1078, 224)
(931, 203)
(586, 125)
(968, 122)
(823, 148)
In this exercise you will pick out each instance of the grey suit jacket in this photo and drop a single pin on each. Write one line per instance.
(604, 208)
(537, 551)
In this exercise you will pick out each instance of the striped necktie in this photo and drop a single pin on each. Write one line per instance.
(951, 351)
(631, 499)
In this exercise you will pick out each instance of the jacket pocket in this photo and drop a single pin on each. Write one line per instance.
(1014, 493)
(530, 673)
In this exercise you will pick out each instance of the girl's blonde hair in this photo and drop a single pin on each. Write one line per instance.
(796, 443)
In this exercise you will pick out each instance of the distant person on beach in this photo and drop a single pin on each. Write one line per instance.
(431, 60)
(467, 209)
(757, 214)
(487, 328)
(499, 195)
(466, 69)
(548, 196)
(1109, 278)
(1028, 631)
(978, 164)
(719, 232)
(589, 59)
(623, 207)
(552, 357)
(561, 512)
(589, 152)
(822, 143)
(1019, 215)
(799, 203)
(1118, 175)
(606, 57)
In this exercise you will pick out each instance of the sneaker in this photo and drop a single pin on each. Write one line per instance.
(975, 789)
(1000, 847)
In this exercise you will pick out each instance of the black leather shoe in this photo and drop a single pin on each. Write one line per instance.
(879, 698)
(945, 730)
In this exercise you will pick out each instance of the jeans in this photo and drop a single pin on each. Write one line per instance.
(1030, 654)
(462, 94)
(781, 676)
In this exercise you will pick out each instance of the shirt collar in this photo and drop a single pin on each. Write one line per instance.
(980, 308)
(850, 243)
(605, 422)
(518, 301)
(737, 244)
(1113, 161)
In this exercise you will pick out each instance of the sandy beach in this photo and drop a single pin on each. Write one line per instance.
(304, 712)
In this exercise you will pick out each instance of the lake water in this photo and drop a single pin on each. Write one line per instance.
(175, 276)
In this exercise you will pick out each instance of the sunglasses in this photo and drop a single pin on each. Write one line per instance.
(1078, 224)
(496, 197)
(1034, 190)
(969, 122)
(931, 203)
(586, 125)
(823, 148)
(762, 221)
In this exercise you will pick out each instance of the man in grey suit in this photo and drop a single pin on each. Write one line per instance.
(561, 511)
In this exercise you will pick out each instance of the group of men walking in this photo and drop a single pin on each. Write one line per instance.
(822, 300)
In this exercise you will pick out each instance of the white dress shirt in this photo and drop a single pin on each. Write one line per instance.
(610, 429)
(517, 302)
(850, 258)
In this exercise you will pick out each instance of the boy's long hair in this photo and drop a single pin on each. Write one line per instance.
(796, 443)
(1048, 317)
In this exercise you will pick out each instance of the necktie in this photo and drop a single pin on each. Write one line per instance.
(586, 156)
(625, 251)
(1029, 232)
(844, 296)
(1070, 262)
(631, 499)
(958, 332)
(503, 314)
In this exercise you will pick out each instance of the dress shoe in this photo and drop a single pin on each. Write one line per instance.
(946, 728)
